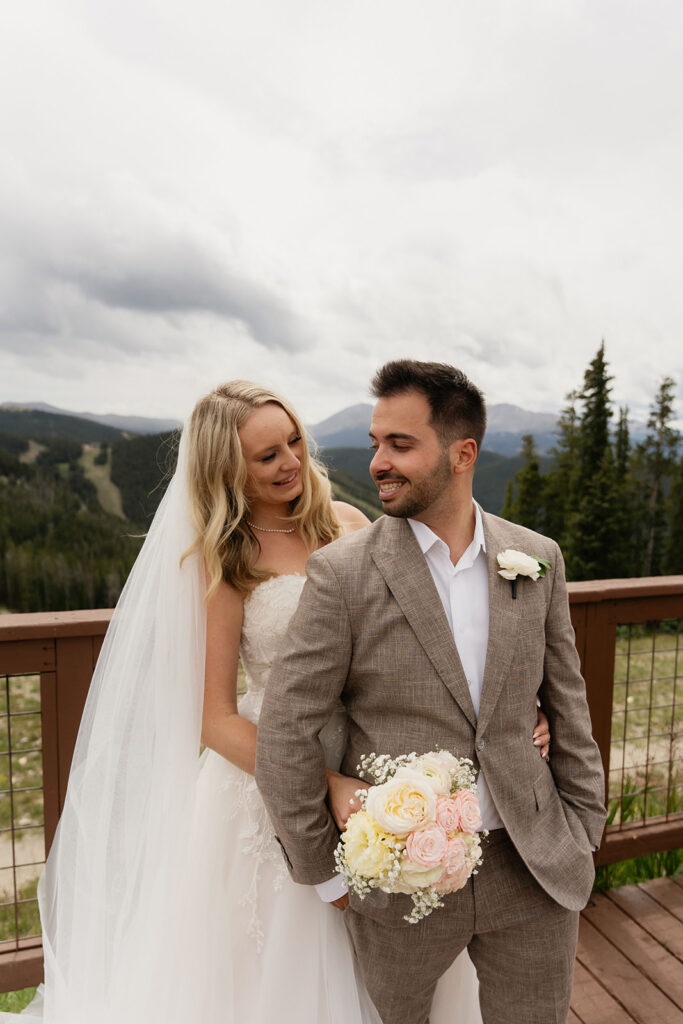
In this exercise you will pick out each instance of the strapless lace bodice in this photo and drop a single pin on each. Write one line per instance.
(267, 612)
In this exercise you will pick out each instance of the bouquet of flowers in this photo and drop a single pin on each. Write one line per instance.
(418, 830)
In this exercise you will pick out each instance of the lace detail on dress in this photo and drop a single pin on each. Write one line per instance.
(258, 844)
(267, 611)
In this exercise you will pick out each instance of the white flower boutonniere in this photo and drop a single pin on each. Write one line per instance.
(515, 563)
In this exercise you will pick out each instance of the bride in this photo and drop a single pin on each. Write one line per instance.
(165, 897)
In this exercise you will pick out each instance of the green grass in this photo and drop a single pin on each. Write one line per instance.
(647, 723)
(25, 811)
(664, 864)
(27, 923)
(14, 1002)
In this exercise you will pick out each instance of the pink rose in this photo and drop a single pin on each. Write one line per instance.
(451, 883)
(455, 857)
(448, 814)
(468, 809)
(427, 845)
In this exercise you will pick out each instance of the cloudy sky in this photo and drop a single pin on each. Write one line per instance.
(296, 191)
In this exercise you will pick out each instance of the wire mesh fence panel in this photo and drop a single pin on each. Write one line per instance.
(646, 758)
(22, 835)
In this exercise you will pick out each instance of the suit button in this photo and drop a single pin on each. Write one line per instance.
(481, 744)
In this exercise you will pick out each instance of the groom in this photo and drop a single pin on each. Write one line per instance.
(409, 623)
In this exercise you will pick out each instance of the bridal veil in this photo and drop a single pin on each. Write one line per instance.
(116, 896)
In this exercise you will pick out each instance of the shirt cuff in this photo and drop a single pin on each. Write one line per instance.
(333, 889)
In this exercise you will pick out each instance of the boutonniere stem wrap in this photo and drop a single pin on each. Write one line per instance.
(514, 564)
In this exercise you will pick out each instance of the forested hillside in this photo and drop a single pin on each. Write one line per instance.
(140, 468)
(58, 549)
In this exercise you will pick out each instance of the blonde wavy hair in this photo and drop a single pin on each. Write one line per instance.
(217, 481)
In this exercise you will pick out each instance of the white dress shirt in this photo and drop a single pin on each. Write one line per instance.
(464, 593)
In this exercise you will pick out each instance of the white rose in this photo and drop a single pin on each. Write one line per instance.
(446, 758)
(515, 563)
(402, 804)
(431, 768)
(413, 877)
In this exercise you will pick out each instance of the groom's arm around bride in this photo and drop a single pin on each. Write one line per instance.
(410, 623)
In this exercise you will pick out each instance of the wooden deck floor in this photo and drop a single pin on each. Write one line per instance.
(629, 967)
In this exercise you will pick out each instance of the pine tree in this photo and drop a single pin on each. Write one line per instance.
(594, 548)
(673, 552)
(623, 558)
(508, 509)
(622, 445)
(653, 465)
(524, 499)
(560, 483)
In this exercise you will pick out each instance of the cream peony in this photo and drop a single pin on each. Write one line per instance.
(515, 563)
(402, 804)
(447, 759)
(365, 846)
(434, 769)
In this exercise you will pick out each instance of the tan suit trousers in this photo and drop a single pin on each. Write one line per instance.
(521, 941)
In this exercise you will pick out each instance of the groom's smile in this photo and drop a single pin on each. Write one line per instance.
(410, 467)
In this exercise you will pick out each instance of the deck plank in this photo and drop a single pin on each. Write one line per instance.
(624, 982)
(667, 893)
(637, 945)
(592, 1004)
(650, 915)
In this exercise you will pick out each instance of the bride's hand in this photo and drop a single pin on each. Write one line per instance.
(541, 736)
(341, 797)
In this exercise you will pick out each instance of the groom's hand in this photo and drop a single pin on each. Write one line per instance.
(342, 903)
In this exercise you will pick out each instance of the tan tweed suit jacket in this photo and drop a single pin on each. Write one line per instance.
(370, 630)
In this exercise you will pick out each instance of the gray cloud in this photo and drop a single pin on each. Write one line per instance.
(64, 270)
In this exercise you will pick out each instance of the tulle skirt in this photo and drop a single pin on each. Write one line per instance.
(282, 954)
(245, 944)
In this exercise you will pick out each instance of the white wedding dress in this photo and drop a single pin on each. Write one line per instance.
(281, 954)
(240, 942)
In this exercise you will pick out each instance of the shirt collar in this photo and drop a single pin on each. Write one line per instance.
(427, 539)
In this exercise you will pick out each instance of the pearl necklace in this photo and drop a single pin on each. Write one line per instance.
(268, 529)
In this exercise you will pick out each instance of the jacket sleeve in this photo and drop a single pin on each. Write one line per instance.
(574, 755)
(303, 690)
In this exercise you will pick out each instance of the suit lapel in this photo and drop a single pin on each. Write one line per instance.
(406, 573)
(504, 622)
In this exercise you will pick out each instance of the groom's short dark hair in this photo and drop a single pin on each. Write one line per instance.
(458, 407)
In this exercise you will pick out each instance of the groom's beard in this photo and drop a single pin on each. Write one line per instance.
(421, 492)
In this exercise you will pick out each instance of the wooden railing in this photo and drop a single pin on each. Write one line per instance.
(46, 663)
(601, 610)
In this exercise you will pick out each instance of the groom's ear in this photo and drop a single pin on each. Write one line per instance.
(463, 455)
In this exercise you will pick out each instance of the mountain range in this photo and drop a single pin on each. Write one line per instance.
(125, 424)
(506, 426)
(347, 428)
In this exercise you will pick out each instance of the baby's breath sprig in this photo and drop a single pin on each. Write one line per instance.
(424, 902)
